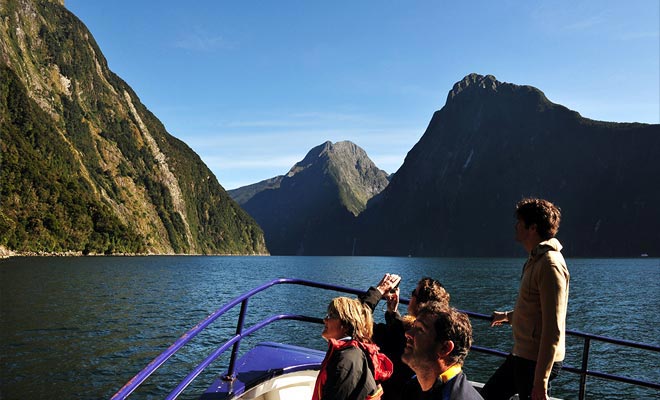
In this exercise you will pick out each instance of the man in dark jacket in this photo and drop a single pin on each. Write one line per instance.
(390, 336)
(436, 347)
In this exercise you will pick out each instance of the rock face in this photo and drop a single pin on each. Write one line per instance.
(311, 209)
(85, 166)
(494, 143)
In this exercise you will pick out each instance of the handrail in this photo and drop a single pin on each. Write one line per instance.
(144, 374)
(235, 340)
(583, 371)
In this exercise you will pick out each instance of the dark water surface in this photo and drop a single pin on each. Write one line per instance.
(79, 328)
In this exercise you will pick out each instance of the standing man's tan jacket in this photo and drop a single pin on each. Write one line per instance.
(539, 316)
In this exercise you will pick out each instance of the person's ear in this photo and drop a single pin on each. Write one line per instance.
(445, 349)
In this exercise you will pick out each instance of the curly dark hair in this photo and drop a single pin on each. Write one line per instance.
(430, 289)
(541, 212)
(451, 324)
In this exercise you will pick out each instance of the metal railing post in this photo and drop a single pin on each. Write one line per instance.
(234, 351)
(583, 369)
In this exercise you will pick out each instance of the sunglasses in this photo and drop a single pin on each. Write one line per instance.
(331, 316)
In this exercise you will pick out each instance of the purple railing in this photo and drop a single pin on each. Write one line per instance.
(235, 340)
(142, 376)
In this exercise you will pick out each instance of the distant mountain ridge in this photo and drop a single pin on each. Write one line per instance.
(85, 166)
(494, 143)
(310, 209)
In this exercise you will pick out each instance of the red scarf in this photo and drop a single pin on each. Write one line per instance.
(381, 367)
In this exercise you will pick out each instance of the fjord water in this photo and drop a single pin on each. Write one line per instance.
(79, 328)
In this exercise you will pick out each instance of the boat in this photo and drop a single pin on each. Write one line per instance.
(273, 371)
(284, 372)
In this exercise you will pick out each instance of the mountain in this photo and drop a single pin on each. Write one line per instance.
(242, 194)
(494, 143)
(85, 166)
(311, 209)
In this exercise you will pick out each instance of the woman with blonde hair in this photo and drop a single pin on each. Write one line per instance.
(353, 367)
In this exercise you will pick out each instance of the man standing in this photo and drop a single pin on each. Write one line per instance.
(538, 319)
(436, 347)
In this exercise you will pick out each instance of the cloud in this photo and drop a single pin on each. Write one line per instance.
(268, 141)
(585, 24)
(265, 123)
(237, 171)
(584, 17)
(198, 40)
(228, 163)
(302, 119)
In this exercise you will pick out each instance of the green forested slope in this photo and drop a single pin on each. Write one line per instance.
(85, 166)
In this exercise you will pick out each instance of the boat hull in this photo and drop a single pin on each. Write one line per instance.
(270, 371)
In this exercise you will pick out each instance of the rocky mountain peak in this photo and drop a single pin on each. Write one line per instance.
(474, 82)
(344, 151)
(347, 149)
(346, 164)
(311, 158)
(476, 100)
(308, 210)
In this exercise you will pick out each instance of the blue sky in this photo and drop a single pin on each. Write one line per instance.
(252, 86)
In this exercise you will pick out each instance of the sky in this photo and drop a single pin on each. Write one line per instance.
(252, 86)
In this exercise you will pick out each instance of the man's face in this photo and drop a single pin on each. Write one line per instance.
(522, 232)
(421, 347)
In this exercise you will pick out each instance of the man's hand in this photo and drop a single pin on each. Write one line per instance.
(539, 393)
(389, 281)
(498, 318)
(393, 301)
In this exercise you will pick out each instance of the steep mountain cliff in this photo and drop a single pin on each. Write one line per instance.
(494, 143)
(85, 166)
(311, 209)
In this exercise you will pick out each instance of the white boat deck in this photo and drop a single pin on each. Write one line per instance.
(300, 386)
(293, 386)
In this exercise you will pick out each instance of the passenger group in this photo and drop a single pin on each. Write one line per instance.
(420, 355)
